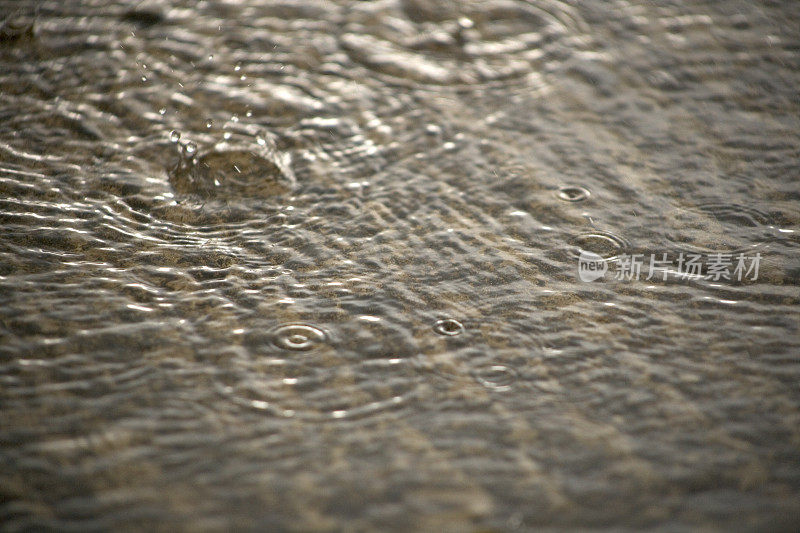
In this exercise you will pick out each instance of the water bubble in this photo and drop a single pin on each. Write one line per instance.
(162, 110)
(573, 193)
(190, 149)
(174, 136)
(260, 140)
(299, 337)
(237, 67)
(497, 377)
(448, 326)
(465, 23)
(234, 118)
(209, 123)
(248, 114)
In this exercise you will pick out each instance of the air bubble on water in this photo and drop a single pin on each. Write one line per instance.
(234, 118)
(211, 57)
(162, 111)
(226, 135)
(249, 114)
(209, 123)
(260, 141)
(465, 23)
(237, 67)
(174, 136)
(190, 149)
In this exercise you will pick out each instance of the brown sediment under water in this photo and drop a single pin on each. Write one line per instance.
(399, 265)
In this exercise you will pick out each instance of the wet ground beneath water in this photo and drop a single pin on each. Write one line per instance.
(314, 265)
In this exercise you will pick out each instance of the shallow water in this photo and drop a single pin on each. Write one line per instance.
(313, 265)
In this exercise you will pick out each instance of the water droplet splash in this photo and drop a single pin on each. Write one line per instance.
(243, 169)
(15, 29)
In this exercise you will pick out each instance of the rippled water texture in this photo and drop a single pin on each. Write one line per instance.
(313, 265)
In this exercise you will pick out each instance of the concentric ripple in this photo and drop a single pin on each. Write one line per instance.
(213, 330)
(326, 390)
(573, 193)
(449, 327)
(716, 227)
(457, 43)
(496, 377)
(606, 244)
(299, 337)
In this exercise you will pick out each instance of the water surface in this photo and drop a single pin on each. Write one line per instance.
(313, 265)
